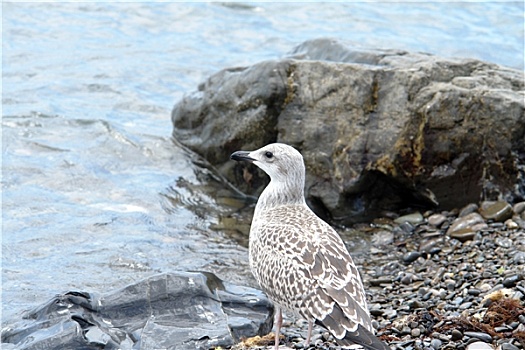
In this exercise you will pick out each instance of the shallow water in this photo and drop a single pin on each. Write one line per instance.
(95, 193)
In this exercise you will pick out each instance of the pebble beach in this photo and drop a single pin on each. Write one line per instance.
(438, 280)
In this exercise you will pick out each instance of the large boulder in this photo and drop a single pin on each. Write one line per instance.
(379, 129)
(183, 310)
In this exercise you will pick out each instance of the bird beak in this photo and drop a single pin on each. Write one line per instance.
(242, 156)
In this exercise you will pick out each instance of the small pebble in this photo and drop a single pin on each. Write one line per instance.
(436, 219)
(405, 330)
(465, 222)
(502, 329)
(466, 305)
(499, 211)
(456, 335)
(376, 312)
(504, 242)
(411, 257)
(450, 284)
(464, 234)
(479, 346)
(511, 225)
(510, 281)
(474, 292)
(469, 208)
(407, 278)
(479, 335)
(416, 304)
(431, 246)
(519, 208)
(405, 227)
(519, 258)
(414, 219)
(436, 344)
(521, 318)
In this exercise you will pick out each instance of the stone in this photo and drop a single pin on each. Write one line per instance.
(479, 345)
(511, 225)
(484, 337)
(431, 246)
(436, 344)
(456, 335)
(379, 129)
(166, 311)
(519, 208)
(411, 257)
(436, 219)
(520, 221)
(414, 218)
(510, 281)
(407, 278)
(469, 208)
(504, 242)
(463, 235)
(519, 258)
(499, 211)
(465, 306)
(465, 223)
(382, 237)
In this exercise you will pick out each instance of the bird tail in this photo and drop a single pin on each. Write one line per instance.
(364, 338)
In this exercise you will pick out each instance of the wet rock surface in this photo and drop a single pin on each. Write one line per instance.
(184, 310)
(379, 129)
(428, 290)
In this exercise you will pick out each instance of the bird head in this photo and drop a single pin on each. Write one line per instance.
(281, 162)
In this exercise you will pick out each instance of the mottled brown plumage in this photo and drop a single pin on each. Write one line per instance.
(300, 262)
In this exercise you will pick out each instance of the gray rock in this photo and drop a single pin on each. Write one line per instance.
(167, 311)
(456, 335)
(479, 345)
(463, 235)
(499, 211)
(411, 257)
(479, 335)
(436, 219)
(466, 222)
(504, 242)
(511, 225)
(469, 208)
(474, 291)
(519, 258)
(414, 218)
(379, 129)
(416, 332)
(510, 281)
(519, 208)
(436, 344)
(431, 246)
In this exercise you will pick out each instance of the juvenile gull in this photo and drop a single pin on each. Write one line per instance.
(300, 262)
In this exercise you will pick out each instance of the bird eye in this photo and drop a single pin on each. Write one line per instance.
(268, 155)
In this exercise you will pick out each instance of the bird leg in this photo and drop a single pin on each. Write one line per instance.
(278, 323)
(309, 334)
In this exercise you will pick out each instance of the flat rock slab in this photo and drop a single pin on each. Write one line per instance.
(379, 129)
(183, 310)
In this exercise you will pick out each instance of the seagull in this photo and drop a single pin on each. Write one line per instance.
(299, 260)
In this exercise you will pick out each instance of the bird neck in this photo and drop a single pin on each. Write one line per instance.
(281, 193)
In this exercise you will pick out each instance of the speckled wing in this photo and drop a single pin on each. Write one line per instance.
(303, 265)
